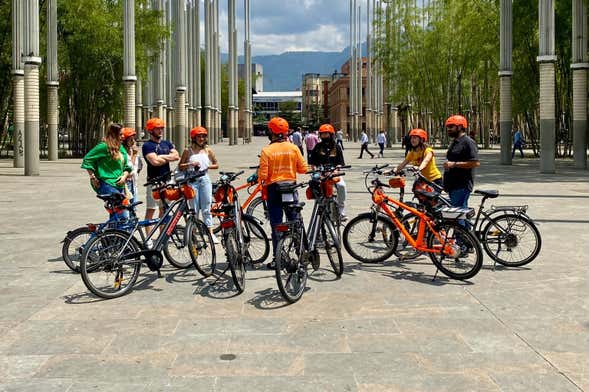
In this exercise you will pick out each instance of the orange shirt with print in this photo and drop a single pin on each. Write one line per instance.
(281, 161)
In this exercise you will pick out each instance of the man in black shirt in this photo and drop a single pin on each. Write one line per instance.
(328, 152)
(461, 159)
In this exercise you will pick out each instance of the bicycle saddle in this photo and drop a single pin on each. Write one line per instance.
(490, 194)
(112, 197)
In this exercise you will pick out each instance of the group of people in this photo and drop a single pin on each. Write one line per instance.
(114, 164)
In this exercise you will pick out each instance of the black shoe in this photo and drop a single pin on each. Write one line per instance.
(271, 265)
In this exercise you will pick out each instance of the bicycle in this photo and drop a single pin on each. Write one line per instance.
(507, 233)
(298, 247)
(75, 240)
(254, 205)
(242, 237)
(117, 255)
(373, 237)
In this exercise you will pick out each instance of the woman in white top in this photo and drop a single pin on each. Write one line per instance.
(128, 135)
(200, 157)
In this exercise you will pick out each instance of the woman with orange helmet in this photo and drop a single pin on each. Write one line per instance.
(422, 156)
(280, 161)
(128, 136)
(200, 157)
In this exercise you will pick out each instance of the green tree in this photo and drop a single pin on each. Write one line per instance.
(290, 112)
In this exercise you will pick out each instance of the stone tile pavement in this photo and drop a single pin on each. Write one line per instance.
(380, 328)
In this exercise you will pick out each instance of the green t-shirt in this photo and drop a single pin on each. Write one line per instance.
(104, 167)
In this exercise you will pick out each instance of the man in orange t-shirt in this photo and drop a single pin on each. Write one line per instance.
(280, 161)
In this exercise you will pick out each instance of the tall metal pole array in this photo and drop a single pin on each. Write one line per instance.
(505, 74)
(208, 71)
(18, 82)
(138, 106)
(180, 77)
(547, 59)
(359, 72)
(32, 62)
(232, 103)
(129, 76)
(579, 65)
(196, 82)
(352, 72)
(160, 67)
(371, 129)
(217, 61)
(248, 123)
(52, 81)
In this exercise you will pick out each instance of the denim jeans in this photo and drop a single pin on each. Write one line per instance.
(107, 189)
(459, 198)
(275, 212)
(202, 201)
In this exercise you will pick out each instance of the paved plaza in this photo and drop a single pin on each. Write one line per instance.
(380, 328)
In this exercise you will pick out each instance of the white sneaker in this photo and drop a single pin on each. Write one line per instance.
(215, 239)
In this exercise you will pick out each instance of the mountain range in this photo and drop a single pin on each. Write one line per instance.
(284, 72)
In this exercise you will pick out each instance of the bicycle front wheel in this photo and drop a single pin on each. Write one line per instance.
(461, 256)
(370, 238)
(256, 240)
(73, 247)
(235, 260)
(103, 266)
(176, 249)
(511, 240)
(332, 247)
(201, 247)
(291, 271)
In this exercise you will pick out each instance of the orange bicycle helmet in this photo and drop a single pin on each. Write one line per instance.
(457, 120)
(128, 132)
(278, 126)
(198, 131)
(327, 128)
(154, 123)
(419, 133)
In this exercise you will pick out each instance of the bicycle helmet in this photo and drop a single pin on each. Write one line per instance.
(154, 123)
(128, 132)
(327, 128)
(278, 126)
(419, 133)
(457, 120)
(198, 131)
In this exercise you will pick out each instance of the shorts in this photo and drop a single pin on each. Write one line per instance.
(150, 202)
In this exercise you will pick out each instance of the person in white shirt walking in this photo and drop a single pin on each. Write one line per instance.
(381, 139)
(364, 145)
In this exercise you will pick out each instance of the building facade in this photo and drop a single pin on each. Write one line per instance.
(269, 104)
(257, 76)
(315, 89)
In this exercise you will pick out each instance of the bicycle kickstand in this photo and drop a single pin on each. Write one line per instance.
(435, 275)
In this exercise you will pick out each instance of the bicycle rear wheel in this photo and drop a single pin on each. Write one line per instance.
(404, 250)
(291, 271)
(235, 260)
(201, 247)
(176, 249)
(370, 238)
(332, 247)
(73, 247)
(461, 256)
(512, 240)
(103, 267)
(256, 239)
(258, 210)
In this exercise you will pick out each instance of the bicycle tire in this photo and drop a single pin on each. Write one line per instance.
(404, 250)
(363, 242)
(257, 241)
(257, 209)
(98, 256)
(332, 244)
(73, 247)
(235, 260)
(500, 239)
(201, 247)
(291, 272)
(465, 245)
(176, 249)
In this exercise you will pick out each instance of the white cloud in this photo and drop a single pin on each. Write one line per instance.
(326, 38)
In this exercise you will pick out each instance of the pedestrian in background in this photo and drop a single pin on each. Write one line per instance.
(339, 138)
(381, 139)
(364, 145)
(311, 141)
(518, 143)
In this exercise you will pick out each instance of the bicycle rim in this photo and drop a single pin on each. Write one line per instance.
(176, 249)
(235, 260)
(370, 239)
(103, 272)
(201, 248)
(256, 239)
(73, 247)
(257, 210)
(461, 256)
(512, 240)
(291, 272)
(332, 247)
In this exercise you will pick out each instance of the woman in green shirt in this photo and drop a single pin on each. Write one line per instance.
(108, 163)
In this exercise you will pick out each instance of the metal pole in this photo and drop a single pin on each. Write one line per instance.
(196, 69)
(579, 65)
(180, 57)
(217, 49)
(231, 103)
(248, 75)
(129, 76)
(505, 74)
(18, 83)
(52, 81)
(32, 62)
(208, 70)
(547, 58)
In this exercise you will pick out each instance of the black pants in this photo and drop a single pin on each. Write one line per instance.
(381, 153)
(341, 144)
(365, 148)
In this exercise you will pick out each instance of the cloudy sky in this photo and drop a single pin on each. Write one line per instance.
(292, 25)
